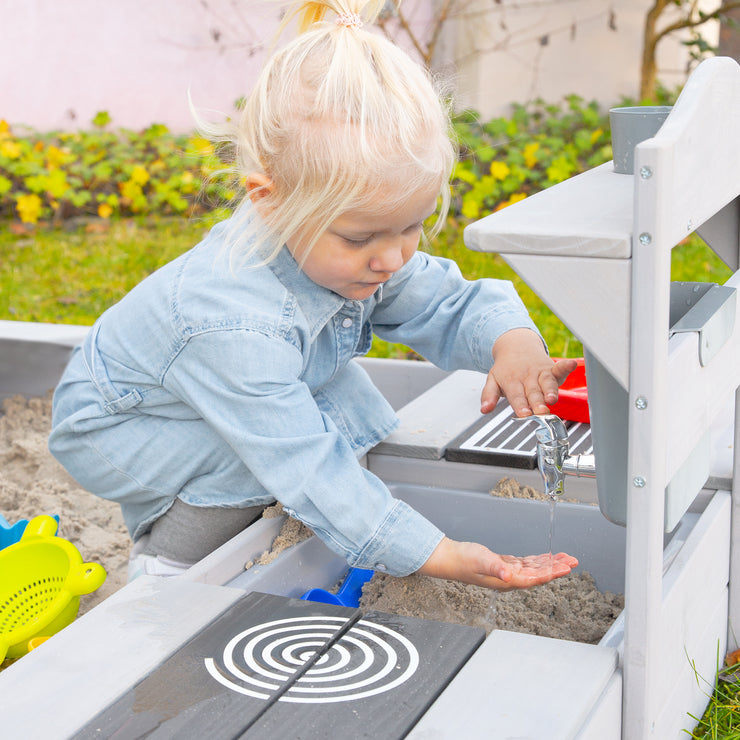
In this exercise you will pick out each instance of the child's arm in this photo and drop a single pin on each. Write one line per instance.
(473, 563)
(523, 372)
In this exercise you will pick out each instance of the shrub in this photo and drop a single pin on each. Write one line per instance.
(112, 173)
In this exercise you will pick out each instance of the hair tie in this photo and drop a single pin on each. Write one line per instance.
(350, 20)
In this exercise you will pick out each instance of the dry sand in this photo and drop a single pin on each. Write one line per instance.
(32, 483)
(569, 608)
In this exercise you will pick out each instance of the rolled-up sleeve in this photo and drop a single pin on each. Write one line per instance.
(254, 399)
(453, 322)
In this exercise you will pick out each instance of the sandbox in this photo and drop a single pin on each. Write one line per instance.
(664, 400)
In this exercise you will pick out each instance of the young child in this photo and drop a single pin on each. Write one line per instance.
(224, 382)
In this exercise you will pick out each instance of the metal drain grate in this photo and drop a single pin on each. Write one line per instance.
(501, 439)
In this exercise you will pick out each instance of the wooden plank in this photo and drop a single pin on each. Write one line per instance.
(733, 614)
(589, 215)
(521, 686)
(689, 691)
(98, 657)
(584, 283)
(605, 719)
(221, 680)
(647, 442)
(277, 667)
(384, 695)
(696, 579)
(701, 138)
(228, 561)
(433, 419)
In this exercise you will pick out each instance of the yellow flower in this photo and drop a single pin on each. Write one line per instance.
(29, 208)
(4, 129)
(515, 198)
(596, 134)
(56, 183)
(10, 149)
(470, 208)
(499, 170)
(466, 175)
(202, 146)
(55, 157)
(130, 189)
(139, 175)
(529, 159)
(104, 210)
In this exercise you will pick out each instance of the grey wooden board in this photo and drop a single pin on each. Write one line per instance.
(327, 669)
(522, 686)
(98, 657)
(431, 420)
(442, 650)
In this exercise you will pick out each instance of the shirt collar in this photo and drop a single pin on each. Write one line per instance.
(317, 303)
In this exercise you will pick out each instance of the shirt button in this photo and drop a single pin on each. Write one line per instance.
(381, 567)
(346, 323)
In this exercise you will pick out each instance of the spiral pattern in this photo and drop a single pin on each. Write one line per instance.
(366, 660)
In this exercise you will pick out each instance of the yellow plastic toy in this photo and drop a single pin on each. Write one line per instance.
(41, 580)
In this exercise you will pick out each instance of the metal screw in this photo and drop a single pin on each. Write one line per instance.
(646, 173)
(641, 403)
(638, 482)
(645, 238)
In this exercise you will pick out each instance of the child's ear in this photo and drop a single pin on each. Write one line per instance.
(258, 186)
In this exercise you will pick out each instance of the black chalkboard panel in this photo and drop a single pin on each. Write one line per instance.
(273, 667)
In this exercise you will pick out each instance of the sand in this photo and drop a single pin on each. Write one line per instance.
(569, 608)
(33, 483)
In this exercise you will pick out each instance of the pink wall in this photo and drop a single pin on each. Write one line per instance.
(64, 60)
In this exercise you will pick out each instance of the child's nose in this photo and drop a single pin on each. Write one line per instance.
(389, 257)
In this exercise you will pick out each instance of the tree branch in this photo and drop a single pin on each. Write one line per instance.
(691, 22)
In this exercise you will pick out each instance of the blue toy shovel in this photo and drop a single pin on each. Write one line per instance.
(348, 594)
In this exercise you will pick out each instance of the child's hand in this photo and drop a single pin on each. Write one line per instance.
(472, 563)
(523, 372)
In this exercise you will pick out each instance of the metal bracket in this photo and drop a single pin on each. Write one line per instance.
(706, 308)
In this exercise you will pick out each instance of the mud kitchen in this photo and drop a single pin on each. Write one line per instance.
(646, 489)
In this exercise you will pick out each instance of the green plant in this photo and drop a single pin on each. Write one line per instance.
(721, 719)
(506, 159)
(59, 175)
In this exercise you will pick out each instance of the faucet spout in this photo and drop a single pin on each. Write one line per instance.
(553, 459)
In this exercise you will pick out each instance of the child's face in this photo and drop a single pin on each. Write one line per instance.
(363, 247)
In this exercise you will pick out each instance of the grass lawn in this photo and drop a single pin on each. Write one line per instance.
(71, 275)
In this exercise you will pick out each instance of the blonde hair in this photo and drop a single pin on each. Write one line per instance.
(337, 117)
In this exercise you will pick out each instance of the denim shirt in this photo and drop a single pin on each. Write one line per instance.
(233, 386)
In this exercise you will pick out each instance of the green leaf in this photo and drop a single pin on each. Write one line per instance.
(101, 119)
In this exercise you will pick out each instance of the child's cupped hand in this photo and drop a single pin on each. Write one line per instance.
(523, 373)
(472, 563)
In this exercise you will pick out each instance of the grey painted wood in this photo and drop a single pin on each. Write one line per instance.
(433, 419)
(522, 686)
(274, 667)
(99, 656)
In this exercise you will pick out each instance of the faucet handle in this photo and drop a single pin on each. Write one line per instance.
(551, 427)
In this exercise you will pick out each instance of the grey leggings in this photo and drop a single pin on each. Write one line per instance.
(187, 533)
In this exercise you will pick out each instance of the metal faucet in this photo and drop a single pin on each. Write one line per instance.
(553, 459)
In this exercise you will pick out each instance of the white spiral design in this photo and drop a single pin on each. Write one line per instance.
(367, 660)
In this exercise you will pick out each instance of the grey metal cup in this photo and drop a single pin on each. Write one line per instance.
(630, 126)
